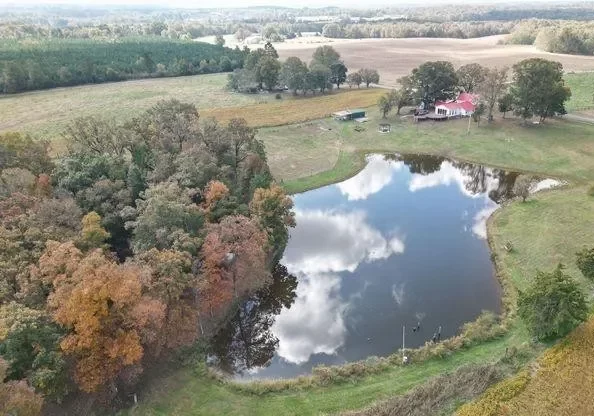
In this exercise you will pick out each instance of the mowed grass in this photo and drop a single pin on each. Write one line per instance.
(582, 91)
(311, 154)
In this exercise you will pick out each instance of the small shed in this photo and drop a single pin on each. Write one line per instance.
(349, 115)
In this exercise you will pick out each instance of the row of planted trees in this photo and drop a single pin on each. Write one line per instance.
(263, 70)
(135, 243)
(536, 88)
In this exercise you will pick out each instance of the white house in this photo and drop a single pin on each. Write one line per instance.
(462, 106)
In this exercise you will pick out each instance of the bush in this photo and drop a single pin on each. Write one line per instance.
(278, 96)
(591, 191)
(553, 304)
(585, 262)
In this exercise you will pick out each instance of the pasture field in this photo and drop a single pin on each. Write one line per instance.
(394, 58)
(46, 113)
(582, 92)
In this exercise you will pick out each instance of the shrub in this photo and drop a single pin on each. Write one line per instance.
(278, 96)
(553, 304)
(591, 191)
(585, 262)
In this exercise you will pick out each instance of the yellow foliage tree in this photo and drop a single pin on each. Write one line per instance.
(102, 304)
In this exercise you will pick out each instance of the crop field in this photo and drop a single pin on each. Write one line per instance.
(394, 58)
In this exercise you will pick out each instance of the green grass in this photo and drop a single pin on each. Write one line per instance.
(315, 153)
(199, 395)
(582, 91)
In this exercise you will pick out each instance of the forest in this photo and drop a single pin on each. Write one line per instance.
(41, 63)
(133, 246)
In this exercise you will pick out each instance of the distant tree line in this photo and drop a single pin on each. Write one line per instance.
(408, 29)
(26, 65)
(571, 37)
(263, 70)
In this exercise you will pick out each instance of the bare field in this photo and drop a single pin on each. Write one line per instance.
(394, 58)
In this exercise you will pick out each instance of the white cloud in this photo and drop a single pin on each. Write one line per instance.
(398, 293)
(376, 175)
(328, 241)
(448, 174)
(479, 227)
(314, 324)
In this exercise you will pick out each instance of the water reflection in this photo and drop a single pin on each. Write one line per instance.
(343, 241)
(400, 243)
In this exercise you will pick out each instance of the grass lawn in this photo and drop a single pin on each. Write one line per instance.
(311, 154)
(582, 91)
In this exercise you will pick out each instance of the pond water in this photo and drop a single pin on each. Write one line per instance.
(403, 242)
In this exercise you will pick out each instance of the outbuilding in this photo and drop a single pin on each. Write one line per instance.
(349, 115)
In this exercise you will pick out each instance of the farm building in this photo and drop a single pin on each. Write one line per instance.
(462, 106)
(349, 115)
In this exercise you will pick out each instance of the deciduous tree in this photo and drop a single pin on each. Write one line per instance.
(293, 74)
(102, 305)
(235, 254)
(539, 89)
(369, 76)
(435, 80)
(325, 56)
(492, 88)
(470, 76)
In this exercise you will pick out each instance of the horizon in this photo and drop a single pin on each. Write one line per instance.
(240, 4)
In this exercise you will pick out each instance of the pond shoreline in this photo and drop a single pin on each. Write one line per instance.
(491, 328)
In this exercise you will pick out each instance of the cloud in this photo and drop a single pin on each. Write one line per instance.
(449, 174)
(377, 174)
(314, 324)
(328, 241)
(479, 227)
(398, 293)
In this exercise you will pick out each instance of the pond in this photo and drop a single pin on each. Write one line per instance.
(401, 243)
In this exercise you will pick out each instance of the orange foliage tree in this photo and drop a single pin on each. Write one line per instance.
(214, 192)
(16, 397)
(102, 305)
(235, 260)
(170, 279)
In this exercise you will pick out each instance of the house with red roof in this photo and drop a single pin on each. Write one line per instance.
(464, 105)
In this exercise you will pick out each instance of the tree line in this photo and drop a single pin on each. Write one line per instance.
(263, 70)
(536, 88)
(27, 65)
(571, 37)
(136, 243)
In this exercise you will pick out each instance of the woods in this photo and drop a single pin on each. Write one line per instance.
(135, 243)
(29, 65)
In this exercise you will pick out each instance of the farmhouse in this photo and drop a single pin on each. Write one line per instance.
(349, 115)
(462, 106)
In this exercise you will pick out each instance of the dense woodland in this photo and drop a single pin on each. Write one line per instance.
(136, 243)
(38, 64)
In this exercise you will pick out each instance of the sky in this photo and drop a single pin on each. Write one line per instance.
(244, 3)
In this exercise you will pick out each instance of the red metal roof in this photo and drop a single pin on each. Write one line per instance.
(465, 96)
